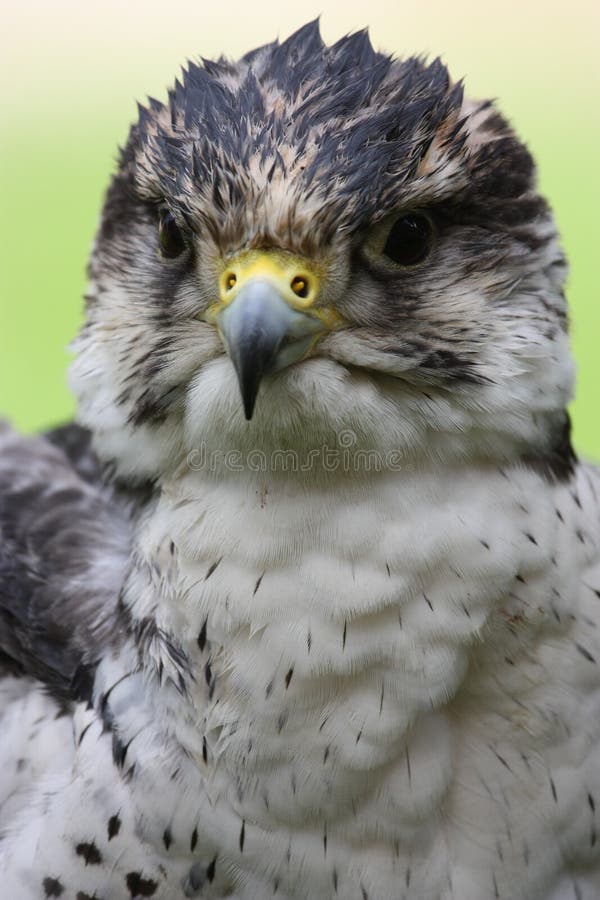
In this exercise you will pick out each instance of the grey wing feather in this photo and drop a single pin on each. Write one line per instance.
(65, 540)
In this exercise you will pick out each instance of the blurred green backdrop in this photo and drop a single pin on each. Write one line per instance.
(69, 75)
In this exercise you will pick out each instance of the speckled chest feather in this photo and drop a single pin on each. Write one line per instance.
(303, 723)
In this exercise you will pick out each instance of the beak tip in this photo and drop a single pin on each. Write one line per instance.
(249, 386)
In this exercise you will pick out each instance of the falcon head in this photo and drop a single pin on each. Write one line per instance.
(318, 238)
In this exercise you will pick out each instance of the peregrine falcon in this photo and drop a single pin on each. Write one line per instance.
(306, 603)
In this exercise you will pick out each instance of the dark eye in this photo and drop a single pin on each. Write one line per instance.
(409, 240)
(170, 237)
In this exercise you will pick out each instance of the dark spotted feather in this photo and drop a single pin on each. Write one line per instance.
(64, 547)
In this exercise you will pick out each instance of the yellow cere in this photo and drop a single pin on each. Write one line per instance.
(297, 282)
(284, 271)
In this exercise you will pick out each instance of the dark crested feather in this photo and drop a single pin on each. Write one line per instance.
(64, 547)
(363, 116)
(344, 123)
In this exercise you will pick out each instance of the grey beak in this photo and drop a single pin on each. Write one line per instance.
(263, 334)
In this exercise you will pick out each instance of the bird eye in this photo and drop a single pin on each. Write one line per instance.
(409, 240)
(170, 238)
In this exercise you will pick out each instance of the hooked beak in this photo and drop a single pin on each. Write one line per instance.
(263, 334)
(266, 317)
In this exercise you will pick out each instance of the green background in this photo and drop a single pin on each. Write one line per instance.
(69, 74)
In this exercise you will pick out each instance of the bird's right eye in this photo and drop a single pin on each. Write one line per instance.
(170, 238)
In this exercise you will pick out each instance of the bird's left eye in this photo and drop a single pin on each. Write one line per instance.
(170, 238)
(403, 242)
(409, 240)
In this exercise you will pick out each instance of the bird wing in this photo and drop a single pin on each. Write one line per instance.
(65, 537)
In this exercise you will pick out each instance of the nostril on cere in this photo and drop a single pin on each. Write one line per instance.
(301, 286)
